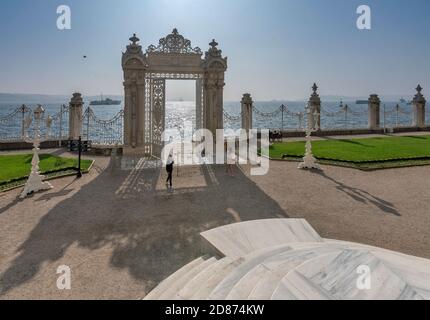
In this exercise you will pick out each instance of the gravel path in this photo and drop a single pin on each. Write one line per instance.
(121, 231)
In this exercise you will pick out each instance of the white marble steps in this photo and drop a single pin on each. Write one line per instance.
(221, 270)
(213, 278)
(240, 239)
(223, 289)
(317, 269)
(272, 268)
(174, 288)
(170, 281)
(194, 284)
(278, 269)
(195, 281)
(334, 277)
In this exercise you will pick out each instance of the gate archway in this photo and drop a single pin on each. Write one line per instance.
(145, 76)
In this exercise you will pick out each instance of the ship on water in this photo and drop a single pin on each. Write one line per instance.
(362, 102)
(105, 102)
(402, 101)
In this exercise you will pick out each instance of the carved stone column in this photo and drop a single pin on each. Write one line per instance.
(134, 66)
(315, 107)
(215, 66)
(374, 112)
(210, 97)
(419, 104)
(75, 116)
(219, 104)
(199, 104)
(247, 112)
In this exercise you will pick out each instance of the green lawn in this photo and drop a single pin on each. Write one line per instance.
(16, 167)
(396, 150)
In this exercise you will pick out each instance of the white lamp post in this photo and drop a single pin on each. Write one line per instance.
(35, 181)
(309, 161)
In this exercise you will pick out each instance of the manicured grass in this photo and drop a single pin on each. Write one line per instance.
(16, 167)
(366, 154)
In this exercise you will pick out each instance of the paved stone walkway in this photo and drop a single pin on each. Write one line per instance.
(121, 231)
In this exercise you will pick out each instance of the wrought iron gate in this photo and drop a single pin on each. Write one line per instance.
(158, 107)
(155, 108)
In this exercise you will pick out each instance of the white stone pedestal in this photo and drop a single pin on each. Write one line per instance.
(309, 162)
(35, 181)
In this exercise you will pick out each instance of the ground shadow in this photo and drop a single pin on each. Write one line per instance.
(153, 231)
(60, 193)
(418, 137)
(350, 141)
(361, 195)
(10, 205)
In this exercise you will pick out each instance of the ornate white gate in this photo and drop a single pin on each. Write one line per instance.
(157, 110)
(145, 78)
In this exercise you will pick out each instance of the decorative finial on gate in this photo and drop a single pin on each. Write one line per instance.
(134, 39)
(213, 44)
(419, 98)
(419, 88)
(315, 88)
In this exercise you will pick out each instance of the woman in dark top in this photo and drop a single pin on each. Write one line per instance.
(169, 169)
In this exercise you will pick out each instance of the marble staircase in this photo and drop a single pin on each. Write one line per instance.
(239, 239)
(285, 259)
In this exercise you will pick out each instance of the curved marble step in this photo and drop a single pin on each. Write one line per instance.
(182, 281)
(222, 268)
(348, 245)
(415, 271)
(297, 287)
(167, 283)
(240, 239)
(223, 289)
(194, 284)
(273, 269)
(277, 270)
(334, 276)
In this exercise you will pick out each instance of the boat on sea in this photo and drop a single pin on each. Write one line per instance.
(105, 102)
(403, 101)
(362, 102)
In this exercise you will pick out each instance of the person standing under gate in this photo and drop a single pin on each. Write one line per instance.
(169, 169)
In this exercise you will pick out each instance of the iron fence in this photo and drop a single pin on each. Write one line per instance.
(110, 132)
(397, 117)
(340, 116)
(18, 124)
(103, 132)
(12, 126)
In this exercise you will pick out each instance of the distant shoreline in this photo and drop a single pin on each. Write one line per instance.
(22, 98)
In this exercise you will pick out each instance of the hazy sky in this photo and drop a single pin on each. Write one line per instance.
(276, 48)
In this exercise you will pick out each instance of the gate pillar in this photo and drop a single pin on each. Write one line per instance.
(134, 66)
(419, 104)
(247, 112)
(374, 112)
(215, 67)
(75, 116)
